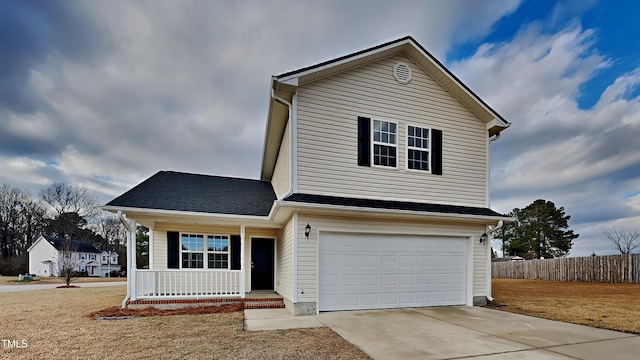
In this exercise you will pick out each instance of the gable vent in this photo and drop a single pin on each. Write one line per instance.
(402, 73)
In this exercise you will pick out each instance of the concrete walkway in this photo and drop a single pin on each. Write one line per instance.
(458, 332)
(27, 287)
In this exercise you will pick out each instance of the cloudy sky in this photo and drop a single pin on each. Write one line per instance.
(106, 93)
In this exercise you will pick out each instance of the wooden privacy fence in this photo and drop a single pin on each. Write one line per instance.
(611, 268)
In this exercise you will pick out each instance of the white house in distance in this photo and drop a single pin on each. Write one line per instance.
(45, 252)
(373, 193)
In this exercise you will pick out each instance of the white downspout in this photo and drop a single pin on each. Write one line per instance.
(489, 232)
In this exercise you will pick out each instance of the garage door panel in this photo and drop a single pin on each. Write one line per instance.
(377, 271)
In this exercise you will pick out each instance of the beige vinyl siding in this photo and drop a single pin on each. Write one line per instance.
(307, 250)
(327, 137)
(160, 241)
(281, 180)
(284, 266)
(480, 276)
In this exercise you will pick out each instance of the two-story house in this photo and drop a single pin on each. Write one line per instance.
(108, 262)
(45, 253)
(374, 193)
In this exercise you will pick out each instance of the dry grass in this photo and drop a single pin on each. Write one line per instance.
(13, 280)
(56, 324)
(602, 305)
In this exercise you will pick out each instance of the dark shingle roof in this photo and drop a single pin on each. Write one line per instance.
(390, 204)
(169, 190)
(74, 245)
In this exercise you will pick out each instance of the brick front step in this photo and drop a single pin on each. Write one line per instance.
(264, 304)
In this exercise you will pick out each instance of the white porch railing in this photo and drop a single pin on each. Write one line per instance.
(187, 284)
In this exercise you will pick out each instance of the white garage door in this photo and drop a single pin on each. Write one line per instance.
(368, 271)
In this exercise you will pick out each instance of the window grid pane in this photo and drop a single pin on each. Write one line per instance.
(217, 243)
(418, 160)
(385, 132)
(418, 148)
(385, 139)
(192, 242)
(384, 155)
(192, 260)
(218, 261)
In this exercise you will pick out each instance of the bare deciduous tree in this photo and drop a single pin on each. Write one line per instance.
(21, 221)
(67, 263)
(113, 232)
(65, 198)
(623, 240)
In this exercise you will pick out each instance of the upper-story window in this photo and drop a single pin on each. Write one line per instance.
(418, 148)
(385, 143)
(378, 146)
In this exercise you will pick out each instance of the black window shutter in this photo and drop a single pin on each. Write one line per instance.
(364, 141)
(173, 250)
(235, 252)
(436, 152)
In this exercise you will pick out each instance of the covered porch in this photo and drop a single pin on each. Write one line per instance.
(194, 261)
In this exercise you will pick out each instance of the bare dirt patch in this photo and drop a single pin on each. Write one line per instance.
(118, 311)
(56, 325)
(602, 305)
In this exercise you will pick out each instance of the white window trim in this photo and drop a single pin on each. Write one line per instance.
(205, 252)
(373, 143)
(228, 252)
(407, 148)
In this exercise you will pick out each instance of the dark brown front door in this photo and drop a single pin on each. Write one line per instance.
(262, 254)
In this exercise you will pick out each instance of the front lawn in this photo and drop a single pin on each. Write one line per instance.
(13, 280)
(55, 324)
(602, 305)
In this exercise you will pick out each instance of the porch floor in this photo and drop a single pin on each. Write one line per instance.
(252, 300)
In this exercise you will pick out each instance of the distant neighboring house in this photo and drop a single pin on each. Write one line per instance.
(373, 193)
(108, 263)
(45, 252)
(507, 258)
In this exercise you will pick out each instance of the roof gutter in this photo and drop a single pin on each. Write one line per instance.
(281, 100)
(496, 228)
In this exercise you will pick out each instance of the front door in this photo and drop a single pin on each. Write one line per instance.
(262, 255)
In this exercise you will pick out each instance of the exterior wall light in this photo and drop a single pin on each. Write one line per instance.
(483, 238)
(307, 230)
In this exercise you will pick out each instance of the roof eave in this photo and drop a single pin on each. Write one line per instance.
(385, 211)
(191, 215)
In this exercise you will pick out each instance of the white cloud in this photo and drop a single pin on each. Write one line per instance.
(581, 159)
(165, 85)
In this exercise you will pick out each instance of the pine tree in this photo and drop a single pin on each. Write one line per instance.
(539, 229)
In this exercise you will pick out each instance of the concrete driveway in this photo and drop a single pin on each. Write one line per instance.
(474, 332)
(457, 332)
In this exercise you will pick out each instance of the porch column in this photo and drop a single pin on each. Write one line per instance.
(242, 269)
(132, 274)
